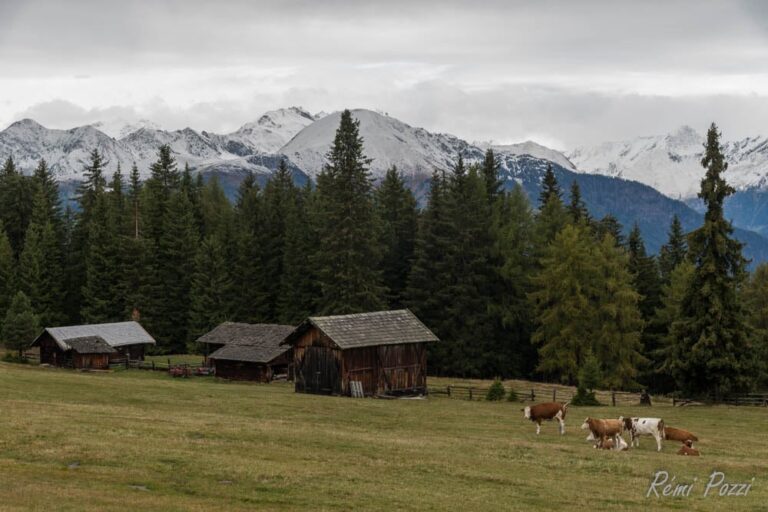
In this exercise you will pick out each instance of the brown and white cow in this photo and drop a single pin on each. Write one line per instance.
(678, 434)
(688, 449)
(608, 444)
(546, 411)
(602, 429)
(643, 427)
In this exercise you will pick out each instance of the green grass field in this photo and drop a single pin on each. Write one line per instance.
(137, 440)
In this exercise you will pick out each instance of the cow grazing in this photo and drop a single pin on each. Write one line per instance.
(678, 434)
(602, 430)
(643, 427)
(688, 449)
(546, 411)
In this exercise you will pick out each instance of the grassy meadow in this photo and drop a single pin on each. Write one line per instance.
(138, 440)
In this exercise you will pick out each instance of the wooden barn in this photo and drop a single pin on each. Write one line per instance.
(241, 351)
(385, 351)
(92, 346)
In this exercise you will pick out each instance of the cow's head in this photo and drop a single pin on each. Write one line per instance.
(585, 425)
(527, 412)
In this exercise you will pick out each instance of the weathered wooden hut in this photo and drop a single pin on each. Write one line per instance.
(92, 346)
(241, 351)
(385, 351)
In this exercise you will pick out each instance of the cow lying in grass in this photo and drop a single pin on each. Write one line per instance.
(678, 434)
(602, 430)
(546, 411)
(608, 444)
(688, 449)
(643, 427)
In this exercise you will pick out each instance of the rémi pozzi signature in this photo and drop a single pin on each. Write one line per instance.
(663, 485)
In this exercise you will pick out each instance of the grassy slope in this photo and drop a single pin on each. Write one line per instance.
(198, 444)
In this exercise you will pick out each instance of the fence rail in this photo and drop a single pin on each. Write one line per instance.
(534, 393)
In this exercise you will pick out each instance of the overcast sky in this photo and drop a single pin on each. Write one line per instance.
(564, 73)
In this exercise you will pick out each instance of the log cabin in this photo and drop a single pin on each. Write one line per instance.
(382, 352)
(240, 351)
(92, 346)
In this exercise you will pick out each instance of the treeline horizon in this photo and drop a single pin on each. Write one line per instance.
(511, 289)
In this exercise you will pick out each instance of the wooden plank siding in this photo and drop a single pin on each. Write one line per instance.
(321, 367)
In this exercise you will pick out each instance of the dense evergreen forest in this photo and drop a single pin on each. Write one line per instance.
(512, 289)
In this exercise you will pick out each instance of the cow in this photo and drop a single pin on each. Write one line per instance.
(546, 411)
(678, 434)
(643, 427)
(608, 444)
(688, 449)
(602, 430)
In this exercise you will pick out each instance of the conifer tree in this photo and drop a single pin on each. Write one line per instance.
(280, 196)
(134, 201)
(610, 225)
(427, 291)
(20, 326)
(7, 274)
(513, 254)
(40, 265)
(549, 187)
(674, 251)
(251, 288)
(755, 299)
(16, 195)
(645, 273)
(490, 172)
(349, 254)
(397, 212)
(576, 208)
(217, 215)
(712, 354)
(211, 294)
(298, 284)
(44, 181)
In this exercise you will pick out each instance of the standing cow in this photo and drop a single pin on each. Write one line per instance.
(602, 430)
(643, 427)
(547, 411)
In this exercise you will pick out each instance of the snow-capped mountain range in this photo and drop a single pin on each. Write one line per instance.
(638, 181)
(672, 163)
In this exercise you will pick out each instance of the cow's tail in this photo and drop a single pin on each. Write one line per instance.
(662, 429)
(565, 408)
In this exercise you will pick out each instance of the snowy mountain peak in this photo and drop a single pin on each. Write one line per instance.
(387, 141)
(120, 128)
(28, 125)
(535, 150)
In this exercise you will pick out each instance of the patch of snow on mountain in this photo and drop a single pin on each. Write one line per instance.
(535, 150)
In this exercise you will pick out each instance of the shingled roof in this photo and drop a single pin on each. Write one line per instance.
(115, 334)
(256, 343)
(90, 345)
(369, 329)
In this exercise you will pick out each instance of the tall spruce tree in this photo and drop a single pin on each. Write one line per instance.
(298, 285)
(489, 169)
(348, 255)
(280, 196)
(549, 187)
(755, 298)
(674, 251)
(250, 286)
(211, 294)
(576, 208)
(712, 354)
(513, 256)
(397, 212)
(16, 197)
(7, 274)
(427, 292)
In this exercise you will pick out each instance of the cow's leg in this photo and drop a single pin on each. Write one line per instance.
(658, 441)
(538, 427)
(560, 420)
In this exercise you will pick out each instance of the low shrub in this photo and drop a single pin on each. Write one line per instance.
(496, 392)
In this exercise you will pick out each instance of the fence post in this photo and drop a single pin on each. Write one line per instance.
(126, 363)
(449, 390)
(533, 395)
(169, 363)
(470, 392)
(613, 398)
(153, 365)
(554, 394)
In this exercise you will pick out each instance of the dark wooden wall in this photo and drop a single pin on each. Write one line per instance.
(95, 361)
(322, 367)
(136, 352)
(50, 353)
(242, 370)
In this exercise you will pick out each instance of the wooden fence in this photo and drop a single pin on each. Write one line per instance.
(537, 392)
(160, 366)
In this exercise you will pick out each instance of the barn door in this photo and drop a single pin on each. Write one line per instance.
(320, 371)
